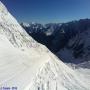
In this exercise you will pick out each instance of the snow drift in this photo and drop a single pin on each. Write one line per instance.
(28, 65)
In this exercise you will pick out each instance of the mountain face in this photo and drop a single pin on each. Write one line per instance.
(28, 65)
(58, 37)
(78, 48)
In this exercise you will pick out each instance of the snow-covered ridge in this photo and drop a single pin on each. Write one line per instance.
(14, 32)
(3, 9)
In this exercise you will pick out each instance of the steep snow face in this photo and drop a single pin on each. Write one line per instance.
(14, 32)
(34, 68)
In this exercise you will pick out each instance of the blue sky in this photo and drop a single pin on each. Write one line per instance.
(46, 11)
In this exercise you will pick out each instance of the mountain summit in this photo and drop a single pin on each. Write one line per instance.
(28, 65)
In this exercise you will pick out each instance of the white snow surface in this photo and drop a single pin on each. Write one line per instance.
(28, 65)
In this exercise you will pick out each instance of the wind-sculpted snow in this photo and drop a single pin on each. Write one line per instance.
(28, 65)
(55, 75)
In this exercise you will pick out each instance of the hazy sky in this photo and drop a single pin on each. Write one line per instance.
(45, 11)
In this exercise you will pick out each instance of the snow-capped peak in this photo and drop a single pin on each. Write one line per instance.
(24, 24)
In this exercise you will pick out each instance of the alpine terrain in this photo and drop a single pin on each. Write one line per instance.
(69, 41)
(28, 65)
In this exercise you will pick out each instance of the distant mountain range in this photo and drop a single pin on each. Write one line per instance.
(72, 38)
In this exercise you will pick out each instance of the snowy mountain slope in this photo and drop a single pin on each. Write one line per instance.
(20, 69)
(17, 68)
(55, 75)
(19, 61)
(14, 32)
(28, 65)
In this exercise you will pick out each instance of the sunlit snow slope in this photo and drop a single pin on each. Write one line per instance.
(28, 65)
